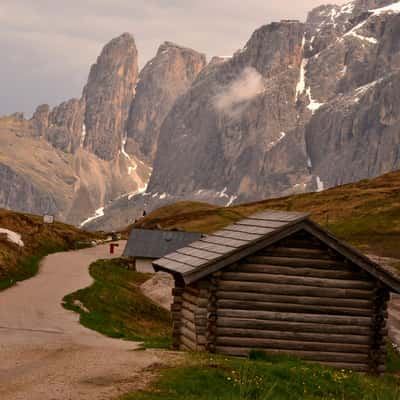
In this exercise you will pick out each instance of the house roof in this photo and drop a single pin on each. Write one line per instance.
(224, 247)
(146, 243)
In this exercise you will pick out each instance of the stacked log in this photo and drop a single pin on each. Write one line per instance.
(189, 331)
(378, 324)
(176, 310)
(297, 297)
(212, 314)
(305, 301)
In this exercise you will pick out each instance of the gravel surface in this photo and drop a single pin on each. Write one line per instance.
(45, 354)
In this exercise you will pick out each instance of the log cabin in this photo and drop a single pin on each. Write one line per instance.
(279, 282)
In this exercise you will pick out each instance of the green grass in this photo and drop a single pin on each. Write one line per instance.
(117, 307)
(265, 377)
(392, 360)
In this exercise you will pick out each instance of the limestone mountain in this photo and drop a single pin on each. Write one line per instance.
(301, 107)
(108, 96)
(163, 79)
(73, 160)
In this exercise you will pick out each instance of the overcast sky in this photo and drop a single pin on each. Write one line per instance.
(47, 46)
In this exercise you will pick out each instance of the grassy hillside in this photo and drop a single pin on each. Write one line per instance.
(366, 214)
(18, 263)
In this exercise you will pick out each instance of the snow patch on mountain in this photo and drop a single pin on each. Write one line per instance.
(392, 8)
(83, 135)
(313, 105)
(347, 8)
(320, 184)
(353, 32)
(123, 144)
(98, 213)
(140, 190)
(275, 142)
(301, 84)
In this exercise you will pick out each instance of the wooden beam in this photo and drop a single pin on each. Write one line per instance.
(290, 307)
(298, 290)
(287, 251)
(279, 344)
(363, 338)
(297, 280)
(299, 271)
(296, 262)
(295, 299)
(290, 326)
(297, 317)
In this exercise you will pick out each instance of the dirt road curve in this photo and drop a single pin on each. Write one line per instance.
(45, 354)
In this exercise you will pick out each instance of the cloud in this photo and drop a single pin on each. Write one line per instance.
(247, 86)
(47, 46)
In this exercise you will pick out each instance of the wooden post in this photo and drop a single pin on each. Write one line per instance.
(211, 335)
(177, 293)
(379, 315)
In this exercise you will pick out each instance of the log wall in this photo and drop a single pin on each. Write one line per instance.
(190, 317)
(301, 298)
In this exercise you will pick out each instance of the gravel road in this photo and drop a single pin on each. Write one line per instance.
(45, 354)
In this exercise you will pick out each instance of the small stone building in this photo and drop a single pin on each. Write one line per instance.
(279, 282)
(146, 245)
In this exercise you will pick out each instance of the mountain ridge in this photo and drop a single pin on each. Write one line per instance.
(82, 145)
(302, 107)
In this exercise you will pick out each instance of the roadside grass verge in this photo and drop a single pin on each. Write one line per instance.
(114, 306)
(265, 377)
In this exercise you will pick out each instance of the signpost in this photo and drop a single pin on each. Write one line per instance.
(48, 219)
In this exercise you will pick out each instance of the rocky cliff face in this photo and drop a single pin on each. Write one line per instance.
(19, 193)
(217, 131)
(66, 126)
(75, 159)
(70, 161)
(108, 96)
(166, 77)
(357, 135)
(300, 108)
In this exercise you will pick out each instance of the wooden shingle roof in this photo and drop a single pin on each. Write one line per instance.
(192, 259)
(236, 241)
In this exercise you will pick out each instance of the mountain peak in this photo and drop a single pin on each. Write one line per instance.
(162, 81)
(164, 47)
(108, 96)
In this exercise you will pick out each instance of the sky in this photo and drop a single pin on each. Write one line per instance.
(47, 46)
